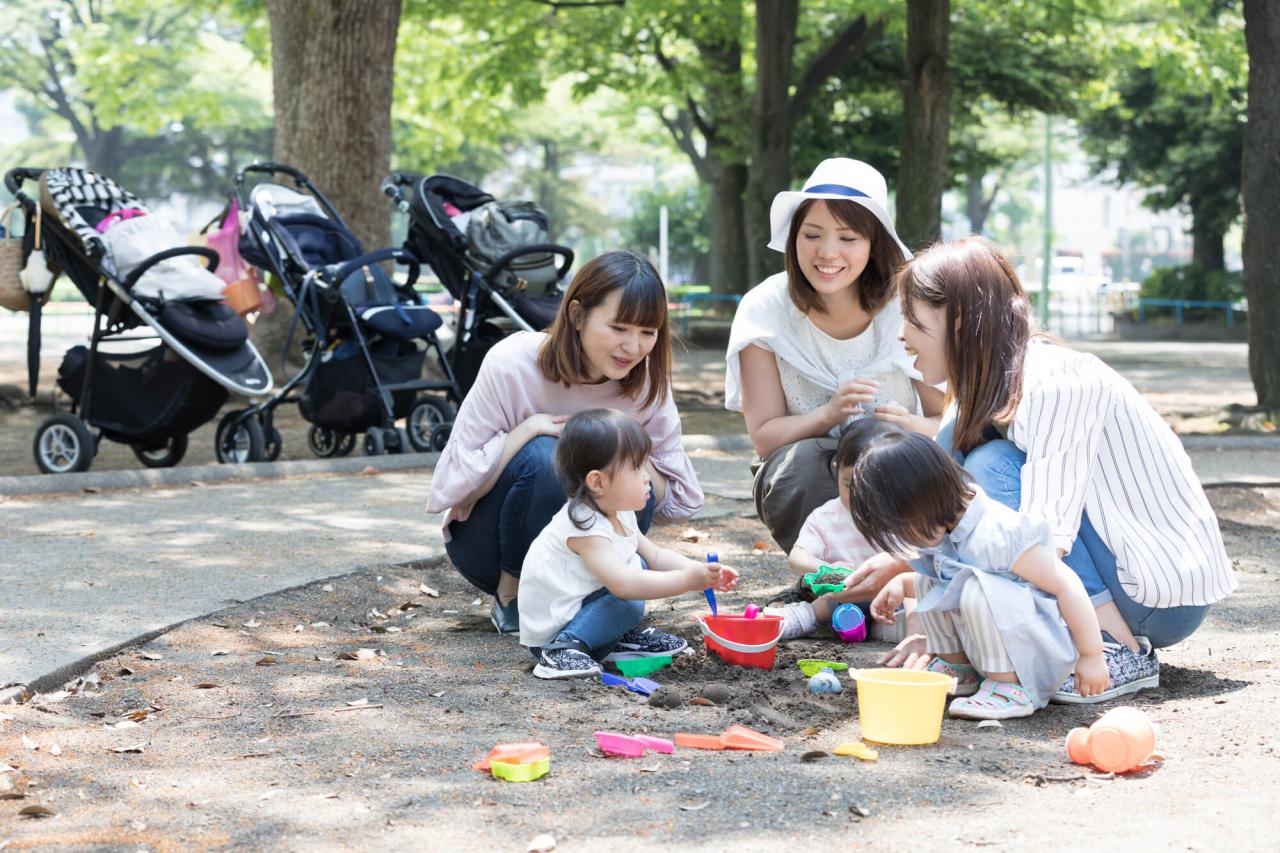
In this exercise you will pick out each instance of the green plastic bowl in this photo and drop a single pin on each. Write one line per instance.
(642, 666)
(824, 588)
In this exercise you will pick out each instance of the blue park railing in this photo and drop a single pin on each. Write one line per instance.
(1179, 307)
(687, 305)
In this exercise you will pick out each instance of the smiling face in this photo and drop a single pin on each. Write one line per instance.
(831, 255)
(925, 341)
(611, 349)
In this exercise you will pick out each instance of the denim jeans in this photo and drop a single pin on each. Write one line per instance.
(504, 523)
(602, 621)
(997, 467)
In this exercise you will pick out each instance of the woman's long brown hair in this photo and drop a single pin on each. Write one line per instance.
(643, 303)
(987, 327)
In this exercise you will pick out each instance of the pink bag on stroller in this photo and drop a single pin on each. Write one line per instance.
(225, 241)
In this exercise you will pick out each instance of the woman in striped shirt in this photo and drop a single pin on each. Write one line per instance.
(1058, 434)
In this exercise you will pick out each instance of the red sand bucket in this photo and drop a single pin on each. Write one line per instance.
(742, 641)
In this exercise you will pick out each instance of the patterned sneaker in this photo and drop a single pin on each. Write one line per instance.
(1130, 672)
(995, 700)
(566, 663)
(967, 678)
(798, 620)
(646, 643)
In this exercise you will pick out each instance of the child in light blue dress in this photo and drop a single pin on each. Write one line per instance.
(1003, 614)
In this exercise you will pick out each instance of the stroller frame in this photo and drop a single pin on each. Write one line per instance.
(111, 295)
(475, 287)
(303, 295)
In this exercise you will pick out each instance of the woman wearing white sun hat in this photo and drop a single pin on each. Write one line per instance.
(817, 346)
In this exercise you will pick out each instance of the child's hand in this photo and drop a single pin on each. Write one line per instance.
(1092, 676)
(887, 601)
(870, 578)
(711, 575)
(728, 578)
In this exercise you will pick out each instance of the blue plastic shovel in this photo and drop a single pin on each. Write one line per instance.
(712, 557)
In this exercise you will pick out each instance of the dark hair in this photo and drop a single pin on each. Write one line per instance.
(875, 285)
(596, 440)
(643, 303)
(854, 438)
(907, 487)
(987, 327)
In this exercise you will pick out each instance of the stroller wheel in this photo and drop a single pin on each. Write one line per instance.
(346, 443)
(427, 414)
(64, 444)
(272, 444)
(239, 443)
(323, 442)
(440, 437)
(164, 455)
(374, 443)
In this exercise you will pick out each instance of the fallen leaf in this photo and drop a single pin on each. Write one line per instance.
(252, 623)
(392, 629)
(327, 587)
(702, 700)
(813, 755)
(692, 534)
(359, 654)
(368, 471)
(654, 769)
(438, 694)
(408, 605)
(319, 624)
(298, 629)
(150, 656)
(217, 653)
(124, 724)
(357, 702)
(809, 731)
(52, 698)
(266, 660)
(426, 590)
(29, 743)
(36, 810)
(54, 749)
(135, 749)
(757, 552)
(695, 807)
(124, 671)
(541, 843)
(206, 685)
(860, 811)
(92, 490)
(991, 724)
(139, 715)
(760, 545)
(477, 603)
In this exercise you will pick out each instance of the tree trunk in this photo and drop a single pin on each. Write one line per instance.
(1261, 201)
(977, 203)
(1206, 246)
(728, 258)
(104, 151)
(332, 63)
(776, 22)
(926, 99)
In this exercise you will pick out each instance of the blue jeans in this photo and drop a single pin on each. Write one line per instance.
(602, 621)
(504, 523)
(997, 467)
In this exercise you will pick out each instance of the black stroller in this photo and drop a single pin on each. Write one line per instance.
(363, 360)
(136, 271)
(516, 289)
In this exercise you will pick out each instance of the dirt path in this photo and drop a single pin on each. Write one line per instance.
(247, 731)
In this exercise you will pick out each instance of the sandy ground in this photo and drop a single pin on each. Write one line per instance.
(245, 730)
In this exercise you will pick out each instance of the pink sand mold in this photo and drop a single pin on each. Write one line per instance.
(626, 746)
(657, 744)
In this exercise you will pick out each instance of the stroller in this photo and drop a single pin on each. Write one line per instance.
(363, 360)
(135, 270)
(502, 286)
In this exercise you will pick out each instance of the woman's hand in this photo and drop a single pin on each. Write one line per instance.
(1092, 676)
(849, 397)
(896, 413)
(911, 653)
(869, 578)
(536, 425)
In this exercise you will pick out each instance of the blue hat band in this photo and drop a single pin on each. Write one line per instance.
(836, 189)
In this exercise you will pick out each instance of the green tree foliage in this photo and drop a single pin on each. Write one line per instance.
(162, 97)
(1169, 115)
(687, 241)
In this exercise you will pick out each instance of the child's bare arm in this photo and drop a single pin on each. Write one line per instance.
(627, 583)
(722, 576)
(802, 562)
(1040, 566)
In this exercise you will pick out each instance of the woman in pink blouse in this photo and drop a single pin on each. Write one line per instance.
(609, 348)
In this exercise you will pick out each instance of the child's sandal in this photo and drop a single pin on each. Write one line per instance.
(967, 678)
(995, 700)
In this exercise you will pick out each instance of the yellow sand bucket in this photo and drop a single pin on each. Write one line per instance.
(901, 706)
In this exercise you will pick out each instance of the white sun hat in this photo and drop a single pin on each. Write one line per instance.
(835, 178)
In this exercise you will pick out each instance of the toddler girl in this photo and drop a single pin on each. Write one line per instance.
(588, 573)
(993, 595)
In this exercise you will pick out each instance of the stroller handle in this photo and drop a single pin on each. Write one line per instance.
(501, 264)
(270, 167)
(14, 178)
(202, 251)
(400, 256)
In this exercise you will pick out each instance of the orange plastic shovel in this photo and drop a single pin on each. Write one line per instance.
(741, 737)
(699, 741)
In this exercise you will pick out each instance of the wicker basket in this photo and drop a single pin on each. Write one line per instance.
(12, 294)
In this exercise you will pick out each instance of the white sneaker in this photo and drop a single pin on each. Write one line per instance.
(798, 619)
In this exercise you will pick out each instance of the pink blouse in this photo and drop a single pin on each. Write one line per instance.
(511, 388)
